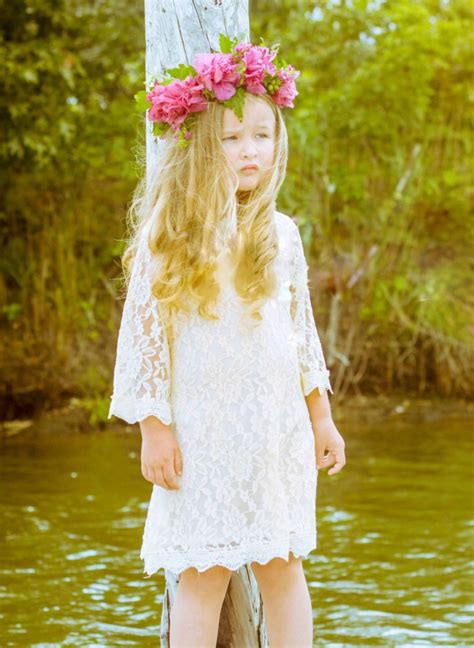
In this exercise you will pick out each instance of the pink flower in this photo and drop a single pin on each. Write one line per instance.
(243, 46)
(258, 62)
(287, 91)
(218, 72)
(172, 103)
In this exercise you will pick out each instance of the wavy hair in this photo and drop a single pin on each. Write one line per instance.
(188, 197)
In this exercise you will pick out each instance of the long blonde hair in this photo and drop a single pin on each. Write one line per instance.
(190, 193)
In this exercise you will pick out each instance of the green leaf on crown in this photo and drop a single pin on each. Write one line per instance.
(226, 44)
(240, 67)
(182, 71)
(182, 141)
(236, 102)
(159, 128)
(279, 61)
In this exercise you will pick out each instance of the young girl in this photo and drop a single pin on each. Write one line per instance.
(218, 355)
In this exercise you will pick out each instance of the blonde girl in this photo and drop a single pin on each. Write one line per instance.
(218, 354)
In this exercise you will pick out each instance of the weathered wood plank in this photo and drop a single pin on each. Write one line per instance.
(176, 29)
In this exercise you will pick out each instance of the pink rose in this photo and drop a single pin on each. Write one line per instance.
(172, 103)
(258, 62)
(218, 72)
(287, 91)
(243, 46)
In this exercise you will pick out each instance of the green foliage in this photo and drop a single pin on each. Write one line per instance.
(159, 128)
(97, 409)
(12, 311)
(225, 43)
(69, 124)
(181, 72)
(66, 65)
(236, 103)
(142, 101)
(378, 175)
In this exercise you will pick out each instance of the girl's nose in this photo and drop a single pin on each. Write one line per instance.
(248, 147)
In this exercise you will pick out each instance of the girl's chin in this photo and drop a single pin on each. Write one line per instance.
(248, 186)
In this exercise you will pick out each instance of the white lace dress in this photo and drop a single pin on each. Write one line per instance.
(235, 397)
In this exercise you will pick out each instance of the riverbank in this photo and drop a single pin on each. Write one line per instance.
(72, 419)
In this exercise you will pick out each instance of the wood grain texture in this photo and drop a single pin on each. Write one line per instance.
(175, 30)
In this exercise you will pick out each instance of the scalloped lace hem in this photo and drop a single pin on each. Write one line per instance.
(319, 379)
(233, 558)
(133, 411)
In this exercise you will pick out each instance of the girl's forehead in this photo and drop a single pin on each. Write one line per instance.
(255, 113)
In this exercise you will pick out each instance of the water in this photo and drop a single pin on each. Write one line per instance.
(395, 531)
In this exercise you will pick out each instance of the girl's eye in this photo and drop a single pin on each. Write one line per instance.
(233, 136)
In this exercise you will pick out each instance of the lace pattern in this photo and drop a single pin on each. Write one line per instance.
(142, 367)
(232, 557)
(236, 398)
(310, 353)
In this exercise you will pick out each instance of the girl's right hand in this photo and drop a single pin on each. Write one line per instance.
(161, 457)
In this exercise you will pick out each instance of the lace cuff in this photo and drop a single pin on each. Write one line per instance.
(314, 372)
(313, 379)
(132, 411)
(142, 366)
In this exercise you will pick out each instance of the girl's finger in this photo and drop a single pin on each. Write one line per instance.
(321, 458)
(145, 473)
(340, 462)
(170, 477)
(154, 474)
(178, 461)
(167, 479)
(336, 468)
(324, 461)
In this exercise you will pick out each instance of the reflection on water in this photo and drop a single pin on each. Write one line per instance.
(391, 568)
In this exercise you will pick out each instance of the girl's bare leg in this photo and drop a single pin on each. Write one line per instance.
(286, 602)
(195, 613)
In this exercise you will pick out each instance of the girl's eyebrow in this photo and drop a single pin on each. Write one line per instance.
(261, 125)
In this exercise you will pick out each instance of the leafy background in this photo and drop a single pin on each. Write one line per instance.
(378, 180)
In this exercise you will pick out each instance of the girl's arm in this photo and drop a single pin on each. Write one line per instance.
(141, 386)
(314, 373)
(142, 376)
(327, 438)
(313, 370)
(318, 407)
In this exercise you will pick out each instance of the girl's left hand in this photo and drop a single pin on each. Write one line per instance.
(327, 438)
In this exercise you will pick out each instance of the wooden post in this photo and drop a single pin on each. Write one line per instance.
(174, 32)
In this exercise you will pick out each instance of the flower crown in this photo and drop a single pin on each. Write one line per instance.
(224, 77)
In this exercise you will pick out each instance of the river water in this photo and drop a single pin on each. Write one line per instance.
(395, 531)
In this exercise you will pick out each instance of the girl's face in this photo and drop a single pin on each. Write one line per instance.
(250, 142)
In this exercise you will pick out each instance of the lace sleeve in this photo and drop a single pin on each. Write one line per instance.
(314, 372)
(142, 367)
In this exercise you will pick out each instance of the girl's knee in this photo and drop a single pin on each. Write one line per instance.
(214, 577)
(277, 569)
